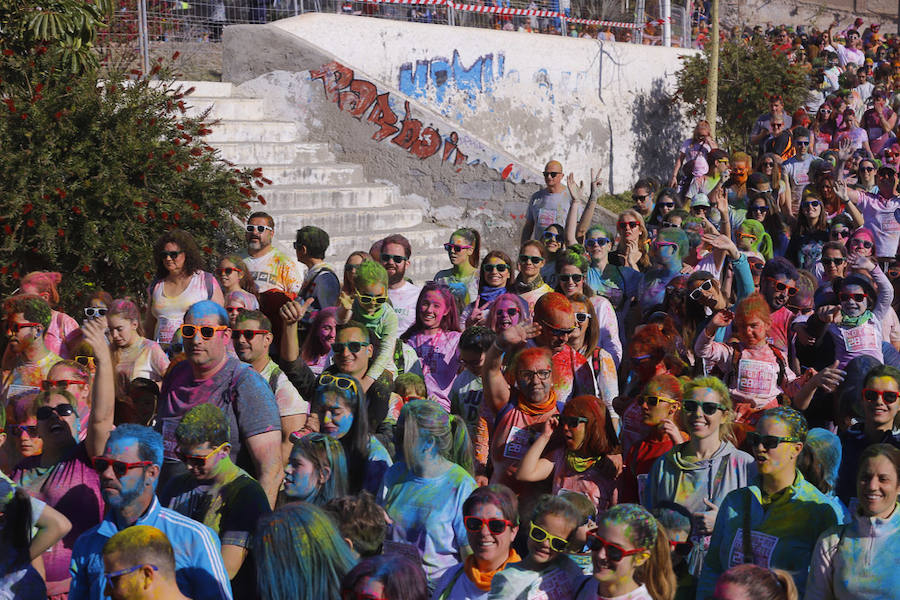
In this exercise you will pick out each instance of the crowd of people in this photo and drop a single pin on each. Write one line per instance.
(701, 403)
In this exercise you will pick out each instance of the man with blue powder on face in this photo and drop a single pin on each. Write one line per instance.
(209, 374)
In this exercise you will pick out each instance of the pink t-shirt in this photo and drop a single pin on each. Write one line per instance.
(439, 356)
(513, 436)
(591, 482)
(778, 330)
(571, 376)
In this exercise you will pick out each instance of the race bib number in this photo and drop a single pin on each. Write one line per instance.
(15, 391)
(168, 435)
(861, 339)
(166, 329)
(763, 546)
(518, 442)
(801, 178)
(756, 377)
(888, 222)
(546, 217)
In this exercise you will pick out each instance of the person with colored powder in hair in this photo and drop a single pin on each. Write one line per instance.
(62, 330)
(746, 581)
(435, 338)
(423, 493)
(496, 273)
(267, 265)
(578, 541)
(778, 518)
(528, 283)
(491, 517)
(135, 355)
(859, 559)
(579, 450)
(507, 310)
(139, 562)
(699, 473)
(753, 240)
(660, 405)
(237, 302)
(252, 337)
(467, 395)
(666, 253)
(554, 322)
(129, 472)
(878, 210)
(395, 253)
(371, 308)
(546, 571)
(463, 250)
(316, 471)
(210, 375)
(216, 492)
(27, 361)
(387, 577)
(819, 462)
(300, 554)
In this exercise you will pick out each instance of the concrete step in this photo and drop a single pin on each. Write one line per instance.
(366, 220)
(244, 109)
(423, 238)
(315, 174)
(275, 153)
(253, 131)
(205, 89)
(313, 197)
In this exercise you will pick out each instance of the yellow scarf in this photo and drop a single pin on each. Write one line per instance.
(579, 464)
(482, 579)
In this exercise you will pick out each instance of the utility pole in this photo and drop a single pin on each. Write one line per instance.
(712, 78)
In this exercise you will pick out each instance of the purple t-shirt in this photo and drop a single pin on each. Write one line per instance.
(237, 389)
(439, 355)
(72, 487)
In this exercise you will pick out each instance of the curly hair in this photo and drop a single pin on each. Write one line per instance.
(193, 259)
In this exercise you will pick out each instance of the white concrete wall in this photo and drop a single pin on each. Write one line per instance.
(536, 97)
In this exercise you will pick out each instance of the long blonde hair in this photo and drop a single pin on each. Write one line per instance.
(643, 240)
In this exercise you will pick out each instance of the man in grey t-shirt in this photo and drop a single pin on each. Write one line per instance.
(547, 206)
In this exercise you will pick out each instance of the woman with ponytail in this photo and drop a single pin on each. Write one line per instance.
(424, 492)
(631, 557)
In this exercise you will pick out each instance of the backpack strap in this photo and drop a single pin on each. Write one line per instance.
(747, 541)
(210, 282)
(446, 593)
(782, 364)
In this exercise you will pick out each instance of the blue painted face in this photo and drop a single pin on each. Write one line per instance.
(335, 417)
(122, 491)
(301, 480)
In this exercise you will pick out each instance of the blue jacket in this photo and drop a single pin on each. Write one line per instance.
(199, 569)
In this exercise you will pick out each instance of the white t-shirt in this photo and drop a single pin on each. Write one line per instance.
(277, 270)
(288, 399)
(796, 169)
(849, 55)
(404, 299)
(169, 311)
(545, 209)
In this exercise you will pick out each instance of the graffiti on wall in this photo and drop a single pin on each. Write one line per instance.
(361, 99)
(439, 76)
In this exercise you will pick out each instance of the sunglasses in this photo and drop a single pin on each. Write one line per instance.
(116, 574)
(847, 296)
(170, 254)
(708, 408)
(840, 234)
(235, 309)
(552, 237)
(248, 334)
(703, 287)
(861, 244)
(573, 277)
(600, 241)
(557, 544)
(893, 272)
(867, 169)
(652, 401)
(353, 347)
(369, 299)
(839, 260)
(769, 442)
(681, 548)
(805, 143)
(341, 383)
(668, 225)
(581, 317)
(227, 271)
(614, 552)
(570, 421)
(757, 267)
(699, 209)
(535, 260)
(52, 384)
(543, 374)
(742, 235)
(101, 463)
(666, 204)
(19, 430)
(92, 312)
(889, 397)
(624, 225)
(781, 286)
(768, 164)
(258, 228)
(636, 198)
(659, 245)
(207, 331)
(197, 460)
(762, 208)
(352, 268)
(556, 330)
(456, 248)
(86, 361)
(812, 203)
(551, 173)
(509, 311)
(394, 258)
(495, 526)
(63, 410)
(16, 327)
(489, 268)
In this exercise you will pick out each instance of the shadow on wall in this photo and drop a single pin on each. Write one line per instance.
(658, 127)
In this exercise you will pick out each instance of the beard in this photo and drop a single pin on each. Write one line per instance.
(125, 497)
(397, 277)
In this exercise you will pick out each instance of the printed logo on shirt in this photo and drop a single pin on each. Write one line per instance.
(557, 584)
(763, 546)
(861, 339)
(518, 442)
(264, 277)
(471, 405)
(889, 223)
(756, 377)
(546, 217)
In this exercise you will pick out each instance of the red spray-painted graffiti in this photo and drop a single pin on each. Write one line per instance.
(356, 97)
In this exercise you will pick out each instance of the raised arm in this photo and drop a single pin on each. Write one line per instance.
(577, 196)
(291, 314)
(103, 402)
(587, 217)
(533, 466)
(496, 389)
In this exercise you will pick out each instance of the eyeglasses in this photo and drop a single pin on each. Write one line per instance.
(759, 208)
(573, 277)
(394, 258)
(551, 173)
(703, 287)
(571, 421)
(543, 375)
(87, 361)
(708, 408)
(370, 299)
(170, 254)
(552, 237)
(101, 463)
(867, 169)
(18, 430)
(840, 234)
(837, 260)
(741, 234)
(198, 461)
(652, 401)
(53, 384)
(248, 334)
(812, 203)
(227, 271)
(117, 574)
(624, 225)
(535, 260)
(581, 317)
(769, 442)
(681, 548)
(780, 286)
(45, 412)
(556, 330)
(857, 243)
(259, 228)
(207, 331)
(16, 327)
(600, 241)
(495, 526)
(456, 248)
(557, 544)
(353, 347)
(92, 312)
(614, 552)
(490, 268)
(340, 382)
(889, 397)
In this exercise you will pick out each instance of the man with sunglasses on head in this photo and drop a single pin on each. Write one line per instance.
(546, 206)
(880, 211)
(129, 469)
(210, 374)
(27, 319)
(395, 253)
(269, 267)
(252, 338)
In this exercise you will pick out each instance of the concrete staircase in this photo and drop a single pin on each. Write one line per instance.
(310, 185)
